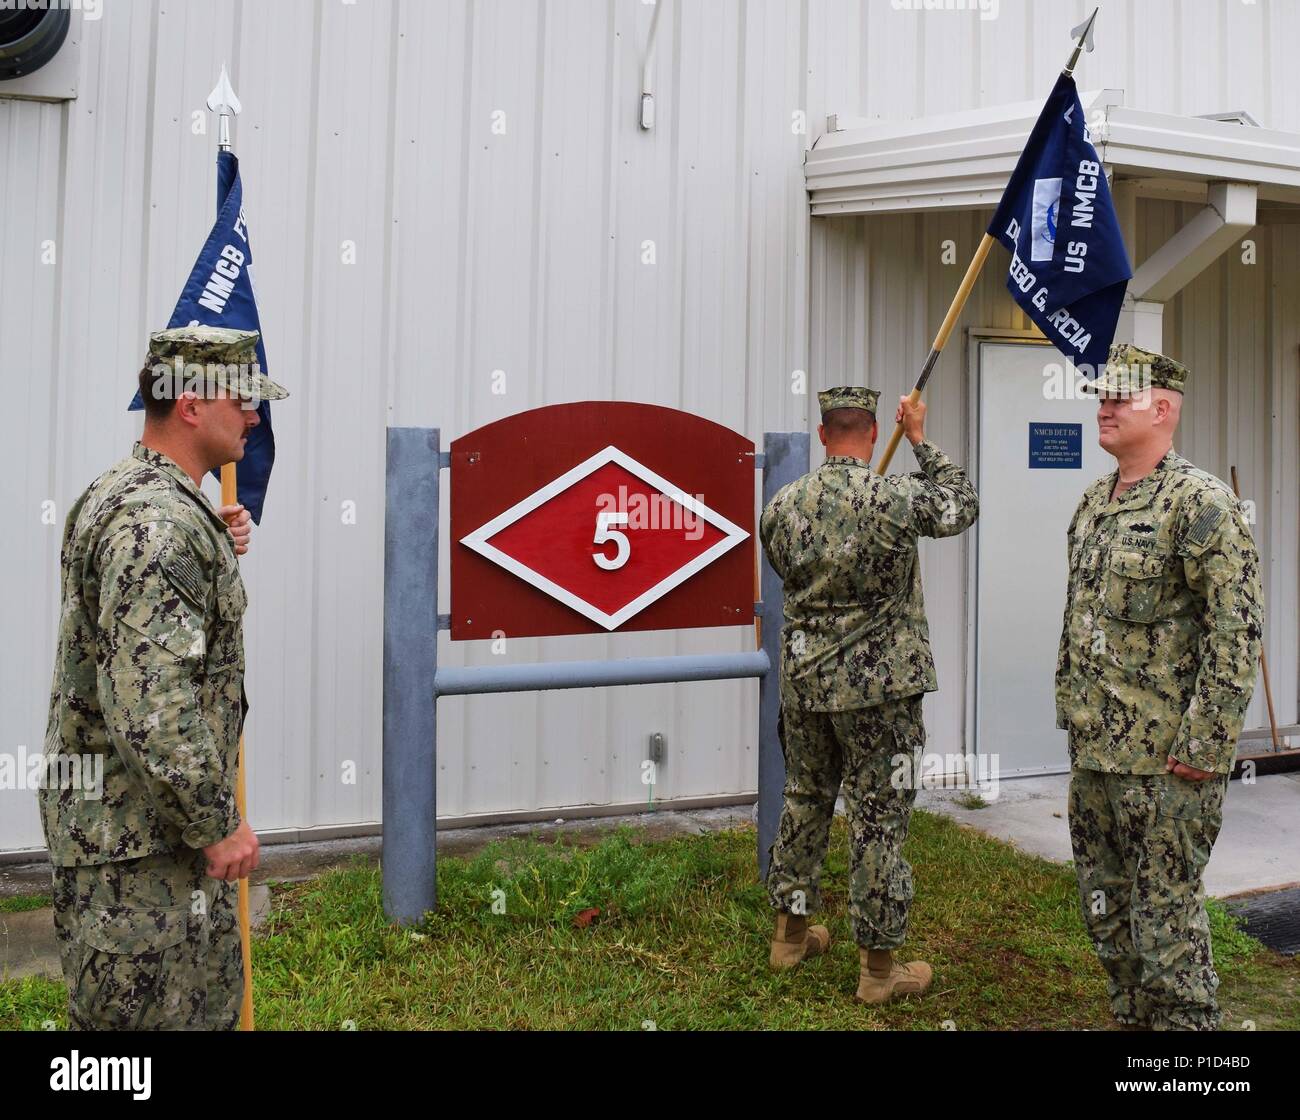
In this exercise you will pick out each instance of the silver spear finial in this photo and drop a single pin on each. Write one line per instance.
(222, 100)
(1084, 35)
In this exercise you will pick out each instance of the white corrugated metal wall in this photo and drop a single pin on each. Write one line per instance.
(368, 131)
(371, 124)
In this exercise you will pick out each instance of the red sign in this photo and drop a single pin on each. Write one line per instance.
(599, 516)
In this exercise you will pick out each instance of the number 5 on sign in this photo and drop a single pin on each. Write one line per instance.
(604, 534)
(540, 548)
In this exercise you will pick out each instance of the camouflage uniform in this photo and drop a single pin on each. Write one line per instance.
(1157, 657)
(855, 663)
(149, 677)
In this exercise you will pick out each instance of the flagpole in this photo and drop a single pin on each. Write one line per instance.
(225, 104)
(949, 321)
(1084, 32)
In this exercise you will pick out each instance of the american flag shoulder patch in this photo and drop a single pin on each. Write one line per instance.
(1206, 524)
(186, 575)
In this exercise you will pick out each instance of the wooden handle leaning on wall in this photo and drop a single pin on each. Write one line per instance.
(1263, 660)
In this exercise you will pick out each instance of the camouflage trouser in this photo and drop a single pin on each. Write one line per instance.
(859, 748)
(149, 944)
(1140, 843)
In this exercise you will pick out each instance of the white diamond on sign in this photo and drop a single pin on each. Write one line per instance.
(607, 538)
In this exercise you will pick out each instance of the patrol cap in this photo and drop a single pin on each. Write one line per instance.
(1129, 369)
(228, 355)
(848, 396)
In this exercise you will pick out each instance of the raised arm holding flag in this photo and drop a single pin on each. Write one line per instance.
(1071, 286)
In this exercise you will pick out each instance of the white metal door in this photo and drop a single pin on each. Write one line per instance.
(1037, 453)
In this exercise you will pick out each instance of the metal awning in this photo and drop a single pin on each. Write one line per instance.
(961, 161)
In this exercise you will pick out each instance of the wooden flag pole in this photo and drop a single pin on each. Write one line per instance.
(1263, 660)
(949, 321)
(1084, 34)
(225, 104)
(230, 497)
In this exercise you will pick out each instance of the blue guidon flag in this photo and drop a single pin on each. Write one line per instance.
(1069, 267)
(219, 293)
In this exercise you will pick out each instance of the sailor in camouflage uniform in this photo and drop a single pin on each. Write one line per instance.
(1157, 663)
(855, 664)
(148, 684)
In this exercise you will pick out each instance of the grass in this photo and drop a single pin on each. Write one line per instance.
(16, 904)
(680, 941)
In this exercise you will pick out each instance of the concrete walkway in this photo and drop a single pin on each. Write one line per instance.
(1257, 850)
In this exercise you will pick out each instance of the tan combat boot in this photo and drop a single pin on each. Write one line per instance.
(881, 978)
(795, 941)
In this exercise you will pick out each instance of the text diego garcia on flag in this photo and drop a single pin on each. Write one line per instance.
(1069, 267)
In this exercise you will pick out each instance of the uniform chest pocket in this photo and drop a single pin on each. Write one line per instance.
(1133, 585)
(226, 647)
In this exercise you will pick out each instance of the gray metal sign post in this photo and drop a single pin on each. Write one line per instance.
(413, 682)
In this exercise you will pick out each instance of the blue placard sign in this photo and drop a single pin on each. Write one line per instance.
(1055, 446)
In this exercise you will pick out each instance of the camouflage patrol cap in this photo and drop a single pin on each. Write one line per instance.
(848, 396)
(228, 355)
(1129, 369)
